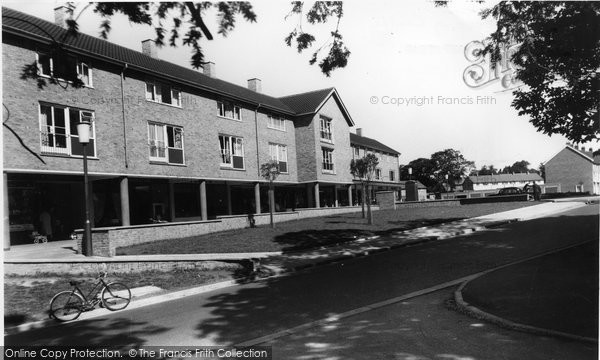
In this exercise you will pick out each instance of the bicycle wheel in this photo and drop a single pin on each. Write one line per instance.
(116, 296)
(66, 306)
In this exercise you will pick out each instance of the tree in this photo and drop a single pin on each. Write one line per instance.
(364, 170)
(485, 170)
(183, 23)
(557, 61)
(422, 171)
(518, 167)
(542, 171)
(270, 171)
(452, 163)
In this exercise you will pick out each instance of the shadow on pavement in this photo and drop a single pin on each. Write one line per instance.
(123, 333)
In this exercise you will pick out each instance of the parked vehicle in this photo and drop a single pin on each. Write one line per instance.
(509, 191)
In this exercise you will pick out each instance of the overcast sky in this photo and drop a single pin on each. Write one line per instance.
(409, 50)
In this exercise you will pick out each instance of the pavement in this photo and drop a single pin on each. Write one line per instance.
(278, 264)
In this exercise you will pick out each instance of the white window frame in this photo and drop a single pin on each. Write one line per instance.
(43, 128)
(328, 160)
(235, 147)
(163, 129)
(79, 66)
(155, 93)
(326, 127)
(278, 152)
(276, 123)
(378, 174)
(236, 110)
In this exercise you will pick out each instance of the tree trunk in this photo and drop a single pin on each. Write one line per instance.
(362, 200)
(369, 212)
(271, 203)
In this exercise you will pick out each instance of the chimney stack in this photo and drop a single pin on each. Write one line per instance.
(255, 85)
(359, 131)
(149, 48)
(61, 15)
(209, 69)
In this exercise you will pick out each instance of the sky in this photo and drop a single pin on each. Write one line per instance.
(403, 84)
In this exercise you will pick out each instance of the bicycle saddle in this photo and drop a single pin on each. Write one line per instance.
(74, 282)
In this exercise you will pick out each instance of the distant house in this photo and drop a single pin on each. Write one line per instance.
(499, 181)
(574, 169)
(421, 191)
(387, 175)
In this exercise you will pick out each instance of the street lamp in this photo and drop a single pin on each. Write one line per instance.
(83, 131)
(409, 173)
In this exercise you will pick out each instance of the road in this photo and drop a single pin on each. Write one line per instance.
(235, 315)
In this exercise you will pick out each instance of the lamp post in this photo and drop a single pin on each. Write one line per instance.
(83, 131)
(409, 173)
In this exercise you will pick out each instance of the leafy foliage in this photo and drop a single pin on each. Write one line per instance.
(364, 168)
(557, 61)
(452, 163)
(270, 170)
(337, 54)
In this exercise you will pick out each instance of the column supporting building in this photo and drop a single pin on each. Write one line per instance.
(124, 194)
(257, 198)
(203, 211)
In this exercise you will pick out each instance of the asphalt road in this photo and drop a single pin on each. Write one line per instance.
(234, 315)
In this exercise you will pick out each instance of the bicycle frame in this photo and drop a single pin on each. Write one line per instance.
(91, 295)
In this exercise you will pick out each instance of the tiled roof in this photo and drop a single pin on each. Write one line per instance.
(308, 102)
(499, 178)
(363, 141)
(38, 29)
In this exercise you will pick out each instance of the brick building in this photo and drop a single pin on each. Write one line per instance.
(574, 169)
(168, 142)
(387, 173)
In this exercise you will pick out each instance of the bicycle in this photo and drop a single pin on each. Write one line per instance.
(68, 305)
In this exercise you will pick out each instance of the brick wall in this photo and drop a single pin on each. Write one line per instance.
(198, 116)
(306, 149)
(386, 200)
(569, 169)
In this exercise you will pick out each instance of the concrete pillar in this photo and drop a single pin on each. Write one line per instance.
(124, 194)
(317, 198)
(229, 212)
(172, 201)
(6, 213)
(257, 198)
(203, 211)
(350, 202)
(335, 196)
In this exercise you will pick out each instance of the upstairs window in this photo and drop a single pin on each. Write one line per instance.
(278, 153)
(65, 67)
(377, 174)
(162, 93)
(58, 129)
(276, 123)
(229, 110)
(392, 175)
(327, 159)
(326, 134)
(165, 143)
(232, 151)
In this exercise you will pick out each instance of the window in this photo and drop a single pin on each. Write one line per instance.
(276, 123)
(326, 129)
(356, 152)
(392, 175)
(377, 174)
(164, 94)
(229, 110)
(278, 153)
(327, 159)
(232, 151)
(165, 143)
(65, 67)
(58, 128)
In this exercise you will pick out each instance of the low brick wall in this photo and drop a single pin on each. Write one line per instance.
(386, 200)
(108, 239)
(495, 199)
(428, 203)
(115, 267)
